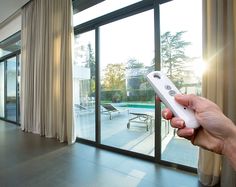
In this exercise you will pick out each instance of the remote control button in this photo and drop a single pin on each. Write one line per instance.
(172, 92)
(168, 87)
(157, 76)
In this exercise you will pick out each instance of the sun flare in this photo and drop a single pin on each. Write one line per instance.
(199, 68)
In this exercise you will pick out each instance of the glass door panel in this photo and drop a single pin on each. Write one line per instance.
(11, 89)
(181, 60)
(18, 87)
(84, 85)
(127, 100)
(2, 95)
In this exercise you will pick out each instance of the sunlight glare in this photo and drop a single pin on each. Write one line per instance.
(199, 68)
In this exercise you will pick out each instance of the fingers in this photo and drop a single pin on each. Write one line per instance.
(187, 133)
(183, 131)
(158, 99)
(177, 123)
(190, 101)
(167, 114)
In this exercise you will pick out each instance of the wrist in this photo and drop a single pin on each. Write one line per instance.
(230, 147)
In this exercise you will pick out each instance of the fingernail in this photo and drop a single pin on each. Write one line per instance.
(180, 123)
(191, 132)
(165, 114)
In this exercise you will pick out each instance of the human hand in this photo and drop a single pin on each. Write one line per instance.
(215, 127)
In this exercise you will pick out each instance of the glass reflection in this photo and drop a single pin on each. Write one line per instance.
(84, 85)
(181, 50)
(2, 89)
(127, 100)
(11, 89)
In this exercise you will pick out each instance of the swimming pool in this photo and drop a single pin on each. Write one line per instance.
(137, 105)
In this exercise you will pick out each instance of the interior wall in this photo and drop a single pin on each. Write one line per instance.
(10, 28)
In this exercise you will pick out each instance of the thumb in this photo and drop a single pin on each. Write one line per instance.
(189, 101)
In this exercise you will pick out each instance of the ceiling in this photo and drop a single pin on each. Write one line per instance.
(9, 7)
(80, 5)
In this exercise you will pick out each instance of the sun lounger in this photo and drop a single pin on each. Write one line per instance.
(145, 118)
(110, 109)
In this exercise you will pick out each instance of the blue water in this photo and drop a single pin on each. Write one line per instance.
(138, 105)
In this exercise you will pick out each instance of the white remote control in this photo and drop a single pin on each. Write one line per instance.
(166, 90)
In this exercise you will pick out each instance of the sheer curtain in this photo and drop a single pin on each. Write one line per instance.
(46, 69)
(219, 82)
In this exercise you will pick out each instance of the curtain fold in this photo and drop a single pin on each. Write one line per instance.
(46, 78)
(219, 82)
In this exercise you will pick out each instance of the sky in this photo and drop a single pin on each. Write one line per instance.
(184, 15)
(133, 37)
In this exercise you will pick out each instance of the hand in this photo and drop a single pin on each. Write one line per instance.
(215, 127)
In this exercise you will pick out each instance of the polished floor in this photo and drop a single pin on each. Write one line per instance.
(30, 160)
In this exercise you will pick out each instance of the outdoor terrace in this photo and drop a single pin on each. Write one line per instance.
(136, 138)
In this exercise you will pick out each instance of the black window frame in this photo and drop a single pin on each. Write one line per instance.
(6, 42)
(4, 59)
(95, 24)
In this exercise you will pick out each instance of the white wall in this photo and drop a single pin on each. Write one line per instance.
(9, 7)
(10, 28)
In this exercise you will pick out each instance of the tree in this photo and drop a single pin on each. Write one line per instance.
(134, 73)
(134, 63)
(90, 63)
(173, 57)
(114, 77)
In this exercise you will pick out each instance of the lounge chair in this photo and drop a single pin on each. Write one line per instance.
(80, 109)
(145, 118)
(110, 109)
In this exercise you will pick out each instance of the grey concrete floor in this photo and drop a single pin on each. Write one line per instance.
(30, 160)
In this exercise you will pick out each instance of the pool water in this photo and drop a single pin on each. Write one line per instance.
(138, 105)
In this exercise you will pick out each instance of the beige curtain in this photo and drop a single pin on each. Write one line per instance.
(219, 82)
(46, 69)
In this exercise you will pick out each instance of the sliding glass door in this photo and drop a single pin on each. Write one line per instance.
(127, 101)
(113, 55)
(2, 90)
(181, 60)
(84, 85)
(10, 78)
(11, 89)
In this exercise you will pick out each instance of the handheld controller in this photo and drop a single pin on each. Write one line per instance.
(166, 90)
